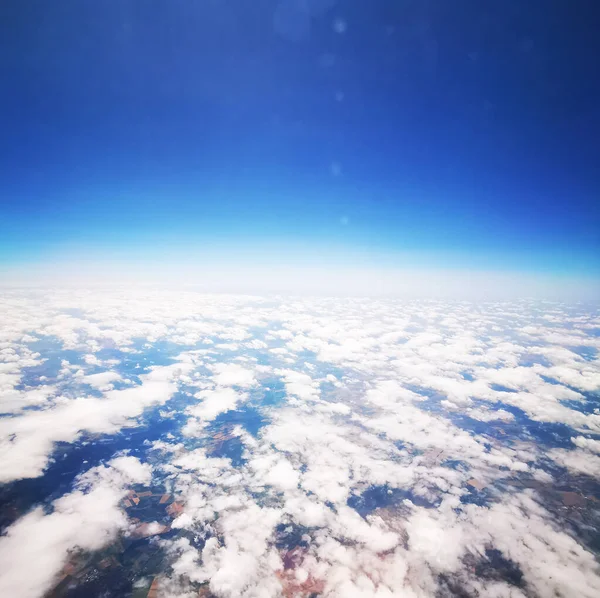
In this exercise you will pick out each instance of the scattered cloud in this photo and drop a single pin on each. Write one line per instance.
(381, 447)
(34, 550)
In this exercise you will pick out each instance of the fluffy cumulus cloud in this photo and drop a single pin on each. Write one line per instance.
(232, 374)
(36, 547)
(299, 447)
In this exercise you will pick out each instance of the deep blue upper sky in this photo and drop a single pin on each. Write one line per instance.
(461, 128)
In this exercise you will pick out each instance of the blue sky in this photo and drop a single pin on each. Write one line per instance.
(411, 134)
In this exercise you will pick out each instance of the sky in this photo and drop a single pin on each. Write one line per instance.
(234, 136)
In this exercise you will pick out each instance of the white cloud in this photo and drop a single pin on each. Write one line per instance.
(102, 380)
(587, 443)
(27, 441)
(232, 374)
(37, 546)
(577, 461)
(215, 401)
(372, 404)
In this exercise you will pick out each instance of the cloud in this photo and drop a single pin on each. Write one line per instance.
(214, 402)
(587, 443)
(232, 374)
(14, 359)
(102, 380)
(27, 441)
(577, 461)
(219, 397)
(396, 445)
(37, 546)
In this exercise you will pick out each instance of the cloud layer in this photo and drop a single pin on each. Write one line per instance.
(338, 447)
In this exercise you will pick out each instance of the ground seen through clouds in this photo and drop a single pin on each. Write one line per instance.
(175, 444)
